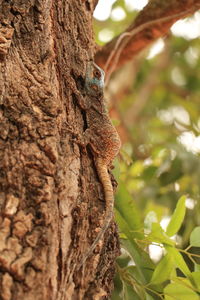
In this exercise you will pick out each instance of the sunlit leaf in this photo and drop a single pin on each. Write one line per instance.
(196, 278)
(177, 217)
(149, 297)
(197, 267)
(176, 291)
(163, 269)
(179, 261)
(117, 169)
(158, 235)
(195, 237)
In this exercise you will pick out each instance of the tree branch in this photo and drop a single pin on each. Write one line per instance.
(154, 21)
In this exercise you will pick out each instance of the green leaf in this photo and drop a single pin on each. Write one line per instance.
(163, 270)
(159, 236)
(177, 217)
(123, 225)
(196, 278)
(138, 255)
(117, 170)
(179, 261)
(197, 267)
(129, 293)
(176, 291)
(149, 173)
(173, 174)
(115, 295)
(195, 237)
(129, 212)
(142, 260)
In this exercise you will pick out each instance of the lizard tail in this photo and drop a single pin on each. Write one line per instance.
(109, 200)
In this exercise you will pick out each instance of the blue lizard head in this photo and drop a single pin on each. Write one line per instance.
(94, 80)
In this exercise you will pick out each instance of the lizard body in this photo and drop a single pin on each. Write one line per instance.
(103, 139)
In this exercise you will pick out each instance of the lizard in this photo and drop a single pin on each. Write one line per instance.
(103, 139)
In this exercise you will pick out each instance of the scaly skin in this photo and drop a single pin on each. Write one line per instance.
(104, 140)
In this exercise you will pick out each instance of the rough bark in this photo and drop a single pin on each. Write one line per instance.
(51, 200)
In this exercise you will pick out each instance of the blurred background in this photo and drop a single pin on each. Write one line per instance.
(154, 101)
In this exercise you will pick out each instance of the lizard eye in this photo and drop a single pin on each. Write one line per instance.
(97, 74)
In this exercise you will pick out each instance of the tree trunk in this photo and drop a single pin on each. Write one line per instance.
(52, 203)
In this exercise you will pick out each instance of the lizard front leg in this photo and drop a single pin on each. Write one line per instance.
(84, 139)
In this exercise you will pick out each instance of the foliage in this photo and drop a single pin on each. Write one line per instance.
(159, 174)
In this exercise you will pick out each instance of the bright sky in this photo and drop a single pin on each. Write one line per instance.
(104, 7)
